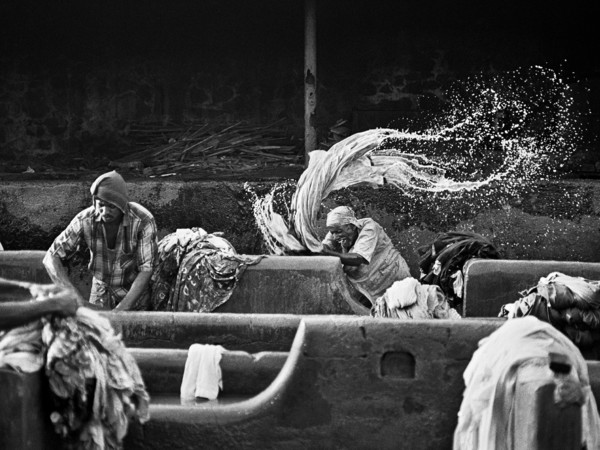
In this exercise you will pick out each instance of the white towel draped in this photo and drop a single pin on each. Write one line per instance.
(202, 376)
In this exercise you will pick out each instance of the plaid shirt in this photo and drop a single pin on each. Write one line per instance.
(134, 252)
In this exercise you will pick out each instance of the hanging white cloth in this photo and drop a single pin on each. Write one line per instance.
(202, 376)
(490, 380)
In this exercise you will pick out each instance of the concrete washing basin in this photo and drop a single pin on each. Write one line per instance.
(276, 285)
(491, 283)
(346, 382)
(302, 379)
(343, 382)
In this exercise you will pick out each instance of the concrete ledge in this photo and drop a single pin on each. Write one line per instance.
(294, 285)
(246, 332)
(27, 265)
(23, 265)
(276, 285)
(489, 284)
(347, 382)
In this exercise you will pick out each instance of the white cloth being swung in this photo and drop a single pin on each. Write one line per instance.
(202, 375)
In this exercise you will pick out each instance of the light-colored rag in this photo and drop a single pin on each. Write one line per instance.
(202, 376)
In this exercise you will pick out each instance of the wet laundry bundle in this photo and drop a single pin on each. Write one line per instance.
(409, 299)
(442, 261)
(570, 304)
(96, 385)
(21, 348)
(197, 271)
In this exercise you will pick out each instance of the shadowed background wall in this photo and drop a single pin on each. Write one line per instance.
(75, 76)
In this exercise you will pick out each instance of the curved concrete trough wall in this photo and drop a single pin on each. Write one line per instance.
(276, 285)
(348, 382)
(489, 284)
(243, 374)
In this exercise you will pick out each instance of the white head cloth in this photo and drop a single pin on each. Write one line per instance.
(342, 215)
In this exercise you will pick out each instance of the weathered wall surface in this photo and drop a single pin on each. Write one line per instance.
(75, 77)
(551, 221)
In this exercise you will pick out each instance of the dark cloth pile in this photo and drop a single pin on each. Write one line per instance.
(441, 262)
(196, 272)
(570, 304)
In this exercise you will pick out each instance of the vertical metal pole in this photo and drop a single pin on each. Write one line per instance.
(310, 77)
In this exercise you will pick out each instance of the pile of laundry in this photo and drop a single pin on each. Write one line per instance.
(95, 384)
(570, 304)
(442, 261)
(196, 272)
(409, 299)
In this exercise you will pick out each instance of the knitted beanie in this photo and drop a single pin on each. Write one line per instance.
(110, 187)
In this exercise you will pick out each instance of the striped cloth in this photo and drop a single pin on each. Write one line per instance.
(113, 270)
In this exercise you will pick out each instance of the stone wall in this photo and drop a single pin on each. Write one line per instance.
(75, 77)
(551, 221)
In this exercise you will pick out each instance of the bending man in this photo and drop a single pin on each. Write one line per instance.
(121, 238)
(371, 262)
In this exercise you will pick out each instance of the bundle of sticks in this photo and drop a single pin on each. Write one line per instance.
(208, 147)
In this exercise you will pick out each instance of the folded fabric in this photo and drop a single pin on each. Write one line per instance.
(202, 375)
(404, 293)
(409, 299)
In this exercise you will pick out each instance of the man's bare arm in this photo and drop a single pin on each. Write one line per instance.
(59, 276)
(138, 287)
(347, 259)
(14, 314)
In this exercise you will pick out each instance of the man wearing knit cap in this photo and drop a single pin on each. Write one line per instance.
(370, 260)
(121, 237)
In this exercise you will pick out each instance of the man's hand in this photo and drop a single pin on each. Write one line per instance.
(137, 291)
(127, 304)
